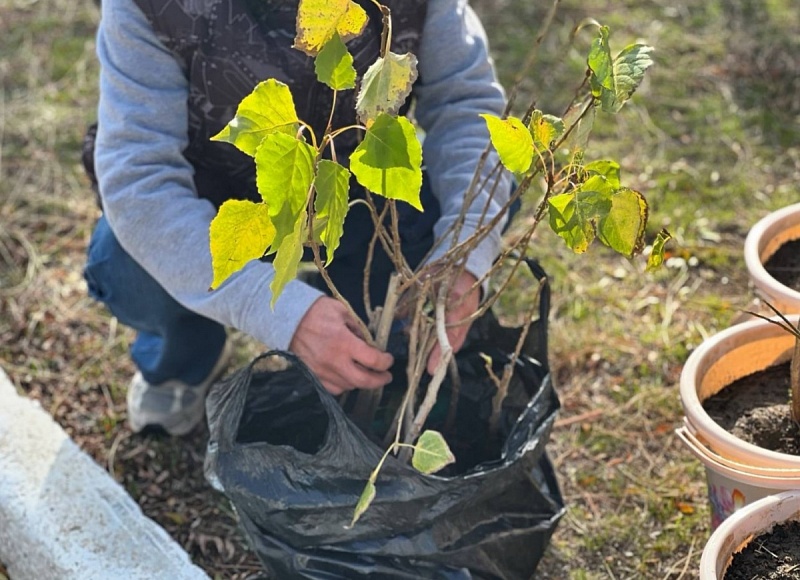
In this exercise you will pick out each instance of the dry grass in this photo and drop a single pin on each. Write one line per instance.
(712, 140)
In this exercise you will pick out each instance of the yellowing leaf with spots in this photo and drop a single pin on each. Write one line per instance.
(622, 228)
(318, 21)
(545, 130)
(385, 86)
(240, 232)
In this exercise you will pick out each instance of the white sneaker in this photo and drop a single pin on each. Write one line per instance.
(173, 406)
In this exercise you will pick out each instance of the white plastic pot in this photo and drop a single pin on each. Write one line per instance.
(737, 531)
(762, 241)
(738, 472)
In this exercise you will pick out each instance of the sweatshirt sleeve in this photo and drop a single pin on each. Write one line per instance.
(147, 186)
(458, 83)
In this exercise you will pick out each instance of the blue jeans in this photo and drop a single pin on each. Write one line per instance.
(171, 342)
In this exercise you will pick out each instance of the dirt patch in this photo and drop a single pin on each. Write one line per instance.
(771, 556)
(784, 265)
(755, 409)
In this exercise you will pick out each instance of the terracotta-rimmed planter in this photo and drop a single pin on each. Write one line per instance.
(762, 241)
(738, 472)
(737, 531)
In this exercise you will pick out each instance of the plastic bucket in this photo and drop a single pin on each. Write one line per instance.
(738, 530)
(738, 472)
(762, 241)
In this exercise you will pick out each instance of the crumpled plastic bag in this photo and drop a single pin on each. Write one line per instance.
(293, 465)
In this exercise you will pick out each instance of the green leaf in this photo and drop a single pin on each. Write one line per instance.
(431, 453)
(545, 129)
(331, 204)
(615, 80)
(319, 20)
(334, 65)
(568, 219)
(385, 86)
(284, 174)
(241, 231)
(601, 63)
(597, 184)
(622, 227)
(388, 161)
(606, 168)
(630, 66)
(290, 252)
(363, 502)
(512, 140)
(267, 109)
(656, 257)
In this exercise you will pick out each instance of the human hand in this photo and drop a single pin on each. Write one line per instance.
(328, 342)
(462, 302)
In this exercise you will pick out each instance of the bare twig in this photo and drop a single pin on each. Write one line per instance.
(438, 374)
(370, 256)
(508, 369)
(367, 401)
(418, 342)
(362, 327)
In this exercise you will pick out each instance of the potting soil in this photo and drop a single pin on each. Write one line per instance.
(755, 409)
(774, 555)
(784, 265)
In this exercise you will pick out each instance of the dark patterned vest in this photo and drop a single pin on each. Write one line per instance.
(226, 47)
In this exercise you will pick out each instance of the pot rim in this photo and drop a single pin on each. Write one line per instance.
(756, 242)
(739, 528)
(702, 425)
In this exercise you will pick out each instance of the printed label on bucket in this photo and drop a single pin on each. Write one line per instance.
(724, 502)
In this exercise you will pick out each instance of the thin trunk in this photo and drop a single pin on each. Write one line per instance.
(795, 380)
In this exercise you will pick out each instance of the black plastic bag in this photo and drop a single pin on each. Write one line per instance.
(293, 465)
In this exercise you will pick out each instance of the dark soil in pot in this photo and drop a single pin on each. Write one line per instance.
(755, 409)
(784, 265)
(774, 555)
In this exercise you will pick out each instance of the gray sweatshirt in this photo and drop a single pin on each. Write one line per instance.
(146, 184)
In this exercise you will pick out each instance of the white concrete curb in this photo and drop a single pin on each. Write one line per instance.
(63, 517)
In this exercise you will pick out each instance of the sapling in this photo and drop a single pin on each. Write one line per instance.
(305, 198)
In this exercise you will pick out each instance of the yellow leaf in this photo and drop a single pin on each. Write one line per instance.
(241, 231)
(318, 21)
